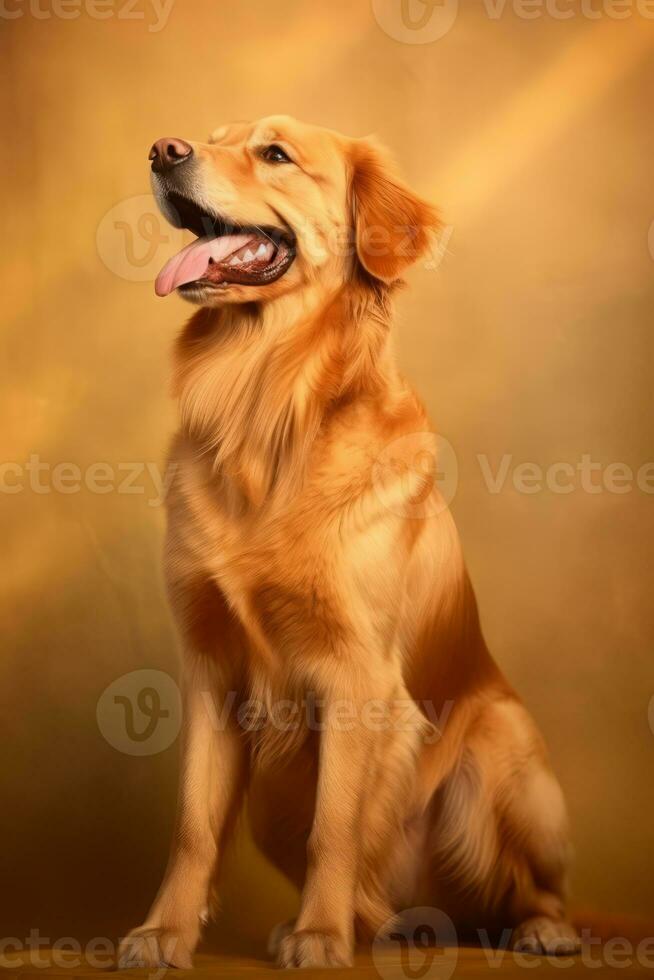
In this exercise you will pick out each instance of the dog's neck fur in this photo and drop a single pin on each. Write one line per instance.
(255, 383)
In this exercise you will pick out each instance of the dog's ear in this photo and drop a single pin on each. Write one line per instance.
(392, 226)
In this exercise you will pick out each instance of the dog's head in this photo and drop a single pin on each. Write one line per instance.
(278, 204)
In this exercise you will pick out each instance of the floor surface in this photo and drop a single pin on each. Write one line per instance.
(431, 964)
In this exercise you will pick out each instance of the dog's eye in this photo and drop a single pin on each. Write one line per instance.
(275, 154)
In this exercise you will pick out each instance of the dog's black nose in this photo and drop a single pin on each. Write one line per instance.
(166, 153)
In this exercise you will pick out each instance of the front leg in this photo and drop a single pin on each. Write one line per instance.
(324, 930)
(212, 775)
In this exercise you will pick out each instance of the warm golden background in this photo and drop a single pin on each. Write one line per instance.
(533, 338)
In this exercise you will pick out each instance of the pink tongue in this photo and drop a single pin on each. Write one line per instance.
(193, 261)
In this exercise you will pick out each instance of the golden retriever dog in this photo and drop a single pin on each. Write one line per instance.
(334, 669)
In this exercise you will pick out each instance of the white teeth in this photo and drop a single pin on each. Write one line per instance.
(251, 253)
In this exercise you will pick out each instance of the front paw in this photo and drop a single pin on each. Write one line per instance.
(544, 935)
(306, 948)
(152, 947)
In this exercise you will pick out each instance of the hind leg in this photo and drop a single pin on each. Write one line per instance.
(498, 845)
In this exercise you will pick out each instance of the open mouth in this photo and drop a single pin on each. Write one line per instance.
(223, 254)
